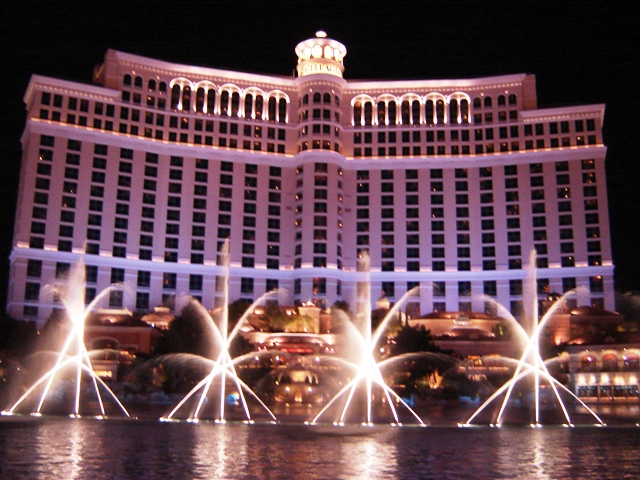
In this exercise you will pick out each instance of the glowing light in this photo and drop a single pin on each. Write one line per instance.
(531, 363)
(367, 370)
(73, 300)
(224, 366)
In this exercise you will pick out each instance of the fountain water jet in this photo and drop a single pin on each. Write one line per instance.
(367, 368)
(223, 366)
(531, 363)
(74, 351)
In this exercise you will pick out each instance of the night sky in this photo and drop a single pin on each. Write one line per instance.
(581, 53)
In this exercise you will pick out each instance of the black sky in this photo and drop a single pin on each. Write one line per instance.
(581, 53)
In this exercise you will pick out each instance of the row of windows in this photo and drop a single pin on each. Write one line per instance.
(411, 112)
(150, 170)
(209, 98)
(479, 134)
(169, 282)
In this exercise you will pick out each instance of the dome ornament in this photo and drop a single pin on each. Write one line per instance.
(320, 55)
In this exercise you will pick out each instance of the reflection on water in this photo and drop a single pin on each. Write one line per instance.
(89, 449)
(219, 451)
(368, 460)
(539, 455)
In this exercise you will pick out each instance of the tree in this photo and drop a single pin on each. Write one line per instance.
(413, 342)
(187, 333)
(236, 310)
(240, 346)
(411, 339)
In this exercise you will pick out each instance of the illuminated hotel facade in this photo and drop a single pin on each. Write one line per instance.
(447, 184)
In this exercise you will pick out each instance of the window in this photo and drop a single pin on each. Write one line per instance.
(32, 291)
(464, 289)
(246, 285)
(117, 275)
(169, 281)
(195, 283)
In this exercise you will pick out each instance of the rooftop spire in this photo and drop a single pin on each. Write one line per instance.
(320, 55)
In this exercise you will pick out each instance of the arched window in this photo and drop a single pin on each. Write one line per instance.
(224, 103)
(609, 363)
(305, 99)
(512, 99)
(631, 362)
(487, 101)
(428, 112)
(316, 97)
(357, 114)
(272, 109)
(453, 111)
(588, 363)
(162, 87)
(326, 98)
(337, 100)
(235, 104)
(477, 103)
(392, 113)
(382, 113)
(200, 100)
(464, 110)
(151, 85)
(259, 107)
(368, 113)
(282, 110)
(501, 100)
(440, 111)
(248, 105)
(186, 98)
(138, 81)
(175, 96)
(415, 112)
(211, 100)
(127, 79)
(405, 113)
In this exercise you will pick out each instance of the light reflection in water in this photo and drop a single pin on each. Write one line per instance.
(220, 450)
(540, 463)
(85, 449)
(542, 453)
(60, 446)
(366, 458)
(75, 455)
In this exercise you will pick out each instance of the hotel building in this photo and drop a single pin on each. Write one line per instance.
(447, 184)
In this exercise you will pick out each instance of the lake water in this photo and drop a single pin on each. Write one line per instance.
(52, 448)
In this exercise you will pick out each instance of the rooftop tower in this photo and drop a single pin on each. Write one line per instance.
(320, 55)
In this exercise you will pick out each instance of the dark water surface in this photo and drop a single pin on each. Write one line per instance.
(60, 448)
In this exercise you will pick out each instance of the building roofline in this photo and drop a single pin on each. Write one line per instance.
(468, 84)
(56, 85)
(560, 113)
(179, 68)
(500, 81)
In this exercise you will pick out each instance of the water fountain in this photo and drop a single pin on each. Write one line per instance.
(357, 398)
(531, 363)
(74, 353)
(223, 368)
